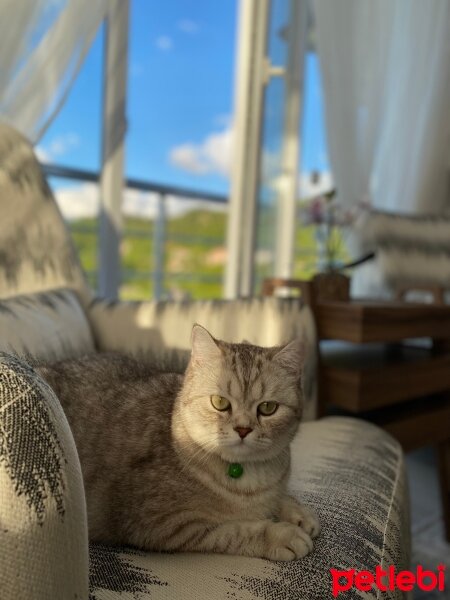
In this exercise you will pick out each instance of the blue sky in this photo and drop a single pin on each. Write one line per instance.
(180, 98)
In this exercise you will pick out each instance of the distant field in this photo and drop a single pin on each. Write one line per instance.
(194, 255)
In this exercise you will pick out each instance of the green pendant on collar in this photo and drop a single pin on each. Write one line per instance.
(235, 470)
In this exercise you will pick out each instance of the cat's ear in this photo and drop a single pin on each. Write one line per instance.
(204, 347)
(291, 357)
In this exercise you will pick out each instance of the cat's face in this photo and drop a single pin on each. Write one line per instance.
(240, 401)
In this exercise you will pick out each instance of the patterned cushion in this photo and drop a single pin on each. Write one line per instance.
(43, 532)
(350, 471)
(36, 252)
(411, 250)
(162, 330)
(49, 325)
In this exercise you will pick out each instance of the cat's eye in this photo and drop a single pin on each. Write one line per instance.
(220, 403)
(267, 408)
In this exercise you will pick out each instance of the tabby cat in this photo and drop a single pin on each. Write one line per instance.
(190, 463)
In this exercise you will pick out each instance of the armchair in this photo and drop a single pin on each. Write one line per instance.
(350, 471)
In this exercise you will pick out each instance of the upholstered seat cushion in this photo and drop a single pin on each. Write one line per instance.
(349, 471)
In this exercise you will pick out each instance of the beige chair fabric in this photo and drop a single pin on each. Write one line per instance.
(48, 326)
(43, 527)
(162, 330)
(349, 471)
(36, 252)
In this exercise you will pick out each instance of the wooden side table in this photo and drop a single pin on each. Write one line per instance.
(403, 388)
(367, 367)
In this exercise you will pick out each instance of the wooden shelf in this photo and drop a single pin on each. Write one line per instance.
(360, 322)
(417, 423)
(361, 378)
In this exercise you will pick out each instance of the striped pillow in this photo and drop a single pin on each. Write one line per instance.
(411, 251)
(48, 325)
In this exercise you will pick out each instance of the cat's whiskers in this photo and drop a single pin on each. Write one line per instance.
(186, 463)
(200, 454)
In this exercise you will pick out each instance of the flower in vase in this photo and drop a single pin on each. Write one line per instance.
(330, 219)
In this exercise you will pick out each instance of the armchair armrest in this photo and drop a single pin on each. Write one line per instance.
(162, 330)
(43, 525)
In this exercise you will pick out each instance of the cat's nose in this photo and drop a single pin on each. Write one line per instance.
(243, 431)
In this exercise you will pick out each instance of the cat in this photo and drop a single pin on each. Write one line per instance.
(193, 462)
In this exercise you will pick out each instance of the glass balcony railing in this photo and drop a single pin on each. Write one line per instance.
(173, 240)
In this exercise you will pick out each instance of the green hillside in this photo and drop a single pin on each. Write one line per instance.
(194, 254)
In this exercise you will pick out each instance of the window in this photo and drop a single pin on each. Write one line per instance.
(179, 104)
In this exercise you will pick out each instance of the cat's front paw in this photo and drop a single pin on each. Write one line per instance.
(286, 542)
(302, 516)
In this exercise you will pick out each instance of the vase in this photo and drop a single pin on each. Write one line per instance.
(331, 286)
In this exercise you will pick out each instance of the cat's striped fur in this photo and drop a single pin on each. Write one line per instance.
(155, 452)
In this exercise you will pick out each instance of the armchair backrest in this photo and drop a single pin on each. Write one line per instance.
(36, 251)
(411, 252)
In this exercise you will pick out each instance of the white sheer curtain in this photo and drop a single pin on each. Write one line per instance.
(386, 77)
(43, 44)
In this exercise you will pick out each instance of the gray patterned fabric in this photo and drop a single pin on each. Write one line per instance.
(35, 249)
(162, 330)
(351, 472)
(49, 326)
(411, 250)
(43, 528)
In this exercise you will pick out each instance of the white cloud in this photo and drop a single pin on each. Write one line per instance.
(82, 201)
(58, 147)
(42, 154)
(177, 206)
(212, 155)
(164, 43)
(78, 202)
(63, 144)
(188, 158)
(140, 204)
(188, 26)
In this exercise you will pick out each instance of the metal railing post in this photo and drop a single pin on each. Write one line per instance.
(159, 241)
(114, 127)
